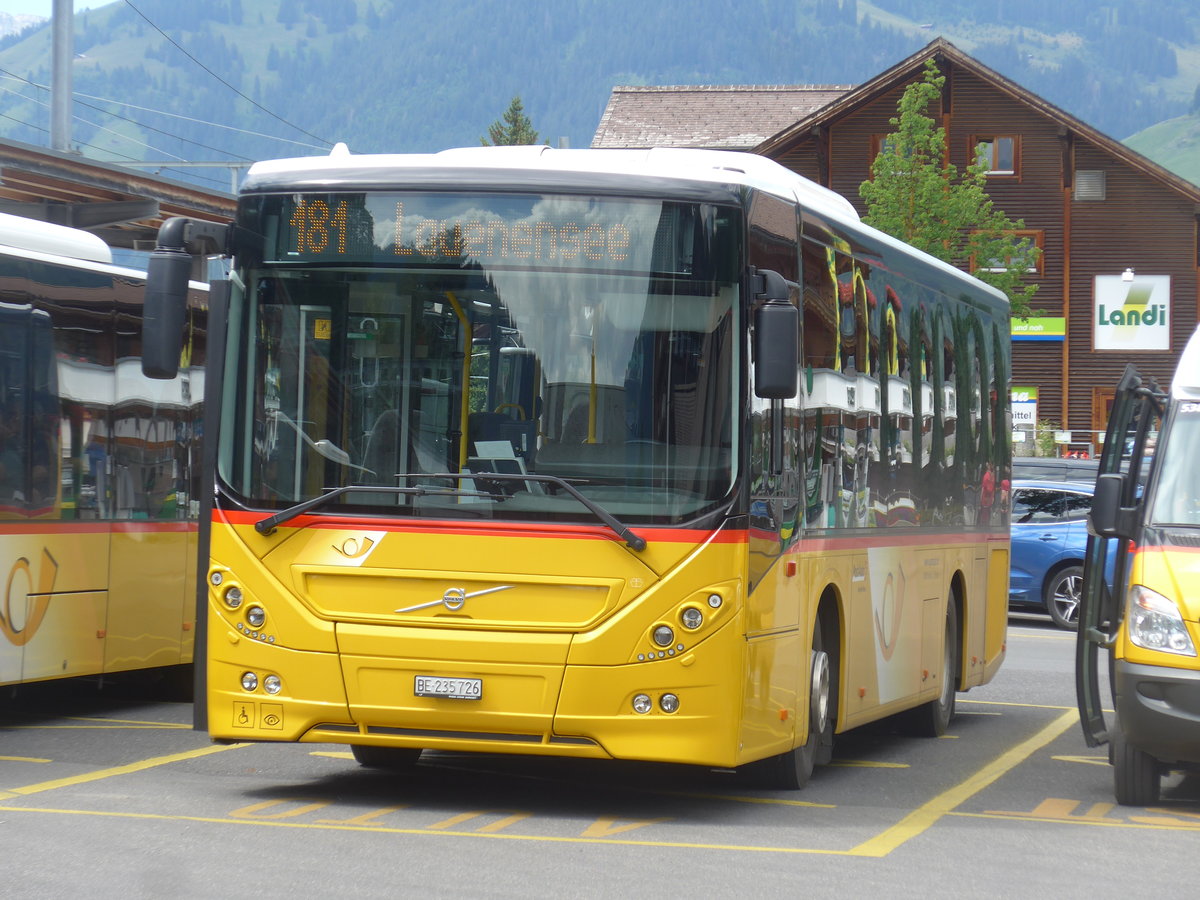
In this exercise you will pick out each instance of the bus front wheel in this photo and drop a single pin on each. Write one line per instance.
(1136, 775)
(394, 758)
(792, 770)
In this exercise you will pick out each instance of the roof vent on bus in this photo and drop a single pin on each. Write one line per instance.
(1090, 184)
(340, 149)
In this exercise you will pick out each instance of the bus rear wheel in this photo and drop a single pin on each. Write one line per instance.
(395, 758)
(933, 718)
(1136, 774)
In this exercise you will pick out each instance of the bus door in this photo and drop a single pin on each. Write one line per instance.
(1137, 406)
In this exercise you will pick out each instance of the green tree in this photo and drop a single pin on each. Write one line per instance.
(513, 128)
(917, 195)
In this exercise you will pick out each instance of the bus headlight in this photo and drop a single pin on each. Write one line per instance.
(664, 636)
(249, 681)
(233, 596)
(272, 684)
(691, 617)
(1155, 623)
(255, 616)
(642, 704)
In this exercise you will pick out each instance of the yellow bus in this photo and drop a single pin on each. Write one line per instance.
(98, 508)
(1141, 598)
(654, 455)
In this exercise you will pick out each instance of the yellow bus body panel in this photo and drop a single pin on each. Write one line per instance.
(559, 625)
(85, 598)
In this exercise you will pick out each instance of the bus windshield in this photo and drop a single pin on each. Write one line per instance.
(382, 339)
(1176, 497)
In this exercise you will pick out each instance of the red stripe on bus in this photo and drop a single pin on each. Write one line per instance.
(883, 538)
(508, 529)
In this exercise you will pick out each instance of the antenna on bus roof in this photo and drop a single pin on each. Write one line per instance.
(340, 149)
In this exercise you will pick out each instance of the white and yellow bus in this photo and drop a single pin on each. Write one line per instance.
(655, 455)
(98, 466)
(1145, 614)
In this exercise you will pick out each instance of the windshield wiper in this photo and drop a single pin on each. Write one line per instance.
(632, 540)
(271, 522)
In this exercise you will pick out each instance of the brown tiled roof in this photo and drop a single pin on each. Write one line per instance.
(723, 117)
(907, 70)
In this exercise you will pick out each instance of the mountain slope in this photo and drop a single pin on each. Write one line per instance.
(416, 75)
(1173, 144)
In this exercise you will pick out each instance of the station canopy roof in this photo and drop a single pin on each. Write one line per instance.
(123, 206)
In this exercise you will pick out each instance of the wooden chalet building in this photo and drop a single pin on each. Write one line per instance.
(1120, 235)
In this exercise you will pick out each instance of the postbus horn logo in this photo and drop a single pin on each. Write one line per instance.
(22, 635)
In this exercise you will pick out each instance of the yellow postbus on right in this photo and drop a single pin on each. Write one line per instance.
(1145, 614)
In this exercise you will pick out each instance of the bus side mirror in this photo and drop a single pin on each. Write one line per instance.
(776, 338)
(162, 312)
(1107, 518)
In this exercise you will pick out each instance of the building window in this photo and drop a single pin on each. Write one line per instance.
(999, 153)
(1090, 184)
(1035, 238)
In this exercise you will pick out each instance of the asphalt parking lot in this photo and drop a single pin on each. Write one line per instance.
(118, 791)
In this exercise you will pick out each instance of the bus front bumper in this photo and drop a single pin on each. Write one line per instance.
(1158, 710)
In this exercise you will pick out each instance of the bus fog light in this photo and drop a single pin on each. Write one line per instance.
(256, 615)
(642, 704)
(272, 684)
(692, 618)
(715, 601)
(233, 596)
(664, 636)
(669, 703)
(249, 681)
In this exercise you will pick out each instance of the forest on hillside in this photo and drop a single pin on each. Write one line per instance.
(257, 78)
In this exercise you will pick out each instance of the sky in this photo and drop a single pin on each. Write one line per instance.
(43, 7)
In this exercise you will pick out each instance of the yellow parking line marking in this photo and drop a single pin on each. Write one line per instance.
(868, 764)
(735, 798)
(127, 721)
(1089, 760)
(100, 774)
(36, 759)
(1144, 823)
(425, 832)
(922, 818)
(1049, 637)
(332, 754)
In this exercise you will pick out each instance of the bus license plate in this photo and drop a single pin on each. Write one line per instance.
(452, 688)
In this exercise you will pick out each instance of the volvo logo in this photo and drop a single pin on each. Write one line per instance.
(455, 598)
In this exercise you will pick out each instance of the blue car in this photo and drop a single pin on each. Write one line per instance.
(1049, 541)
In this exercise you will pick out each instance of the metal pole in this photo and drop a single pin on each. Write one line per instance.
(60, 81)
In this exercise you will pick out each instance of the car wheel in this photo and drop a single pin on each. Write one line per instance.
(1063, 593)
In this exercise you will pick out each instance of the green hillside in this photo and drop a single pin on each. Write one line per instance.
(1173, 144)
(419, 75)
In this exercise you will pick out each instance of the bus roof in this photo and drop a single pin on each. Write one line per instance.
(19, 233)
(717, 166)
(343, 170)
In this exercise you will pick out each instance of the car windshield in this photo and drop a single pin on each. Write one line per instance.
(388, 363)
